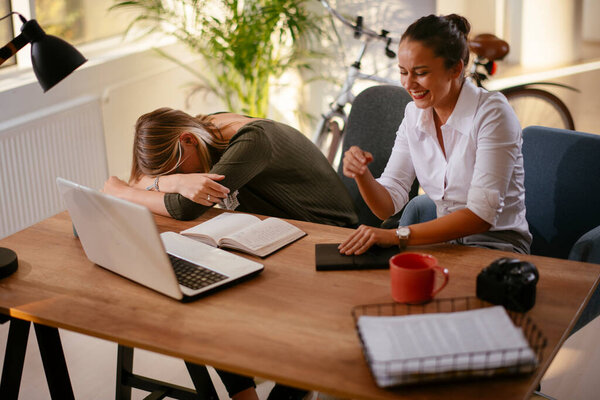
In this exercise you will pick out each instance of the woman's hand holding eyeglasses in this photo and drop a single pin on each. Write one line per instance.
(202, 188)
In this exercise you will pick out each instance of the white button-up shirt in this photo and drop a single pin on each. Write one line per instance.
(483, 166)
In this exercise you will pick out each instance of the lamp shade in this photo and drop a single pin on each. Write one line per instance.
(52, 58)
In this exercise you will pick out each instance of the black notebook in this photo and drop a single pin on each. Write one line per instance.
(328, 258)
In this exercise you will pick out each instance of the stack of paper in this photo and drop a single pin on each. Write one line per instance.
(401, 348)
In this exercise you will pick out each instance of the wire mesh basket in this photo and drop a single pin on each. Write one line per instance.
(454, 366)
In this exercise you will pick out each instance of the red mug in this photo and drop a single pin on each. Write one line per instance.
(413, 276)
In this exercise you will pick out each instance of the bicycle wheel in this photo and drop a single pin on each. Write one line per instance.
(539, 107)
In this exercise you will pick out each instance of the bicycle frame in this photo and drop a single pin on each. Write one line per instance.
(345, 95)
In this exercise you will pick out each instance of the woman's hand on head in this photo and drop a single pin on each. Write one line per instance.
(202, 188)
(355, 162)
(366, 236)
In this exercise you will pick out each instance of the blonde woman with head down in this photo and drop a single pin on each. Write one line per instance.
(183, 165)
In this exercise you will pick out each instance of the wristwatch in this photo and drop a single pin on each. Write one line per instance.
(403, 233)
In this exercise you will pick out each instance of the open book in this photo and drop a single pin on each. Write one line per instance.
(245, 232)
(403, 349)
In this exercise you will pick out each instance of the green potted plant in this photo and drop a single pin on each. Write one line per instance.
(245, 45)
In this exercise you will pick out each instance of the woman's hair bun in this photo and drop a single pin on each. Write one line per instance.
(460, 23)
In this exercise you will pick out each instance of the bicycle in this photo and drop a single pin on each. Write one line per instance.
(329, 124)
(533, 106)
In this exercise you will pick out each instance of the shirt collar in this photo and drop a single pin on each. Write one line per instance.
(462, 116)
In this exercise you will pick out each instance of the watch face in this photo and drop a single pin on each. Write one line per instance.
(403, 231)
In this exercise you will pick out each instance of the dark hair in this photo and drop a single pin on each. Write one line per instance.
(446, 35)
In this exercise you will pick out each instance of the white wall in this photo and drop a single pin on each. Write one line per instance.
(480, 13)
(550, 33)
(591, 27)
(541, 33)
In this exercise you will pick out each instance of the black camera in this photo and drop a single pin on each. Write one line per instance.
(509, 282)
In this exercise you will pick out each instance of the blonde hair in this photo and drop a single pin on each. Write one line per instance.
(156, 149)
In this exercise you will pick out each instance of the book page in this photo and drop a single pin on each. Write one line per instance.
(269, 235)
(433, 343)
(222, 225)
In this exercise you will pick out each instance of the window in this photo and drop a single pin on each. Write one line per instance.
(76, 21)
(6, 29)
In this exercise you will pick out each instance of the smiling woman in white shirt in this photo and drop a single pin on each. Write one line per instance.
(461, 142)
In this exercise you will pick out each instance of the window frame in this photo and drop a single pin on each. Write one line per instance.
(10, 30)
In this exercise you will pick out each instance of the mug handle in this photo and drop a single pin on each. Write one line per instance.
(444, 271)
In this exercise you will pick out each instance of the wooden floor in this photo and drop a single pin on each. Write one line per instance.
(574, 372)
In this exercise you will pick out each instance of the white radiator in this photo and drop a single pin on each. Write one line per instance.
(65, 140)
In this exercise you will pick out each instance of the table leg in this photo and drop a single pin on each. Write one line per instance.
(14, 358)
(124, 368)
(55, 365)
(202, 382)
(126, 380)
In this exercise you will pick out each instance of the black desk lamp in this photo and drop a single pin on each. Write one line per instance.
(52, 59)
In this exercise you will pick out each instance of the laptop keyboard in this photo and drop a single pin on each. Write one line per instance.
(193, 275)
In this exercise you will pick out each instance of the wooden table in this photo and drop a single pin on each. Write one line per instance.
(291, 324)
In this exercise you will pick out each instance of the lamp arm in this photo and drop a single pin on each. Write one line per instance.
(14, 45)
(11, 48)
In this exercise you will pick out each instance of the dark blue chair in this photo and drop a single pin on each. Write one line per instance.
(562, 193)
(562, 187)
(373, 122)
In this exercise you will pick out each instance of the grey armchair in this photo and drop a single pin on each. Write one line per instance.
(372, 125)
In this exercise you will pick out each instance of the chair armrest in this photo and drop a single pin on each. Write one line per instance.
(587, 247)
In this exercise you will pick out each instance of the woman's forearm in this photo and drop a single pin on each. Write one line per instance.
(166, 183)
(455, 225)
(154, 201)
(376, 196)
(452, 226)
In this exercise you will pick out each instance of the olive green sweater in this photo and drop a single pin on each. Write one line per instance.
(278, 172)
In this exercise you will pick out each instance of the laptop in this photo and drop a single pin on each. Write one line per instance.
(122, 237)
